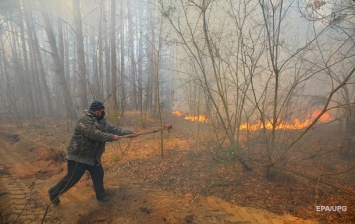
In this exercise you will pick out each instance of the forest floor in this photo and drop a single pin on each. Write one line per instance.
(193, 183)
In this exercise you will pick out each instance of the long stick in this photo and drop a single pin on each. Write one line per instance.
(135, 135)
(148, 132)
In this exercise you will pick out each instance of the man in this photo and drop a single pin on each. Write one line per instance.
(85, 149)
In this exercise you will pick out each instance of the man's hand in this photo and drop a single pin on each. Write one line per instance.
(117, 137)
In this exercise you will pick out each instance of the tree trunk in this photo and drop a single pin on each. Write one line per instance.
(108, 81)
(58, 66)
(9, 94)
(17, 78)
(100, 69)
(122, 64)
(38, 95)
(80, 55)
(27, 74)
(348, 148)
(67, 60)
(133, 69)
(113, 57)
(40, 72)
(140, 62)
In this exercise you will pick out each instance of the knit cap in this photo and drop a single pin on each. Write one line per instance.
(96, 105)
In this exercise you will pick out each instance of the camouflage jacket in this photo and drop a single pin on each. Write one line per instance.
(89, 138)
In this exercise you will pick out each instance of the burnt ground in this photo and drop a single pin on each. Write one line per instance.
(195, 182)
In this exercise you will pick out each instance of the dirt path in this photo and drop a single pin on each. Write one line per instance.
(25, 180)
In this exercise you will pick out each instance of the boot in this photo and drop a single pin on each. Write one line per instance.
(54, 198)
(104, 199)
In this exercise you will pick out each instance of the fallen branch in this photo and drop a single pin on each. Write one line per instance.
(320, 180)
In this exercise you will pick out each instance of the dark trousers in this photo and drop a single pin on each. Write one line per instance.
(75, 172)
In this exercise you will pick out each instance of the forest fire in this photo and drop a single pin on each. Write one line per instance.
(199, 118)
(296, 124)
(177, 113)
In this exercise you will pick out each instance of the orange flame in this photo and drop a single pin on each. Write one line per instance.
(200, 118)
(295, 125)
(324, 118)
(177, 113)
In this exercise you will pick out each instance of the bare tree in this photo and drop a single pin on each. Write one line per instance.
(46, 104)
(281, 56)
(8, 94)
(342, 18)
(214, 62)
(59, 67)
(254, 76)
